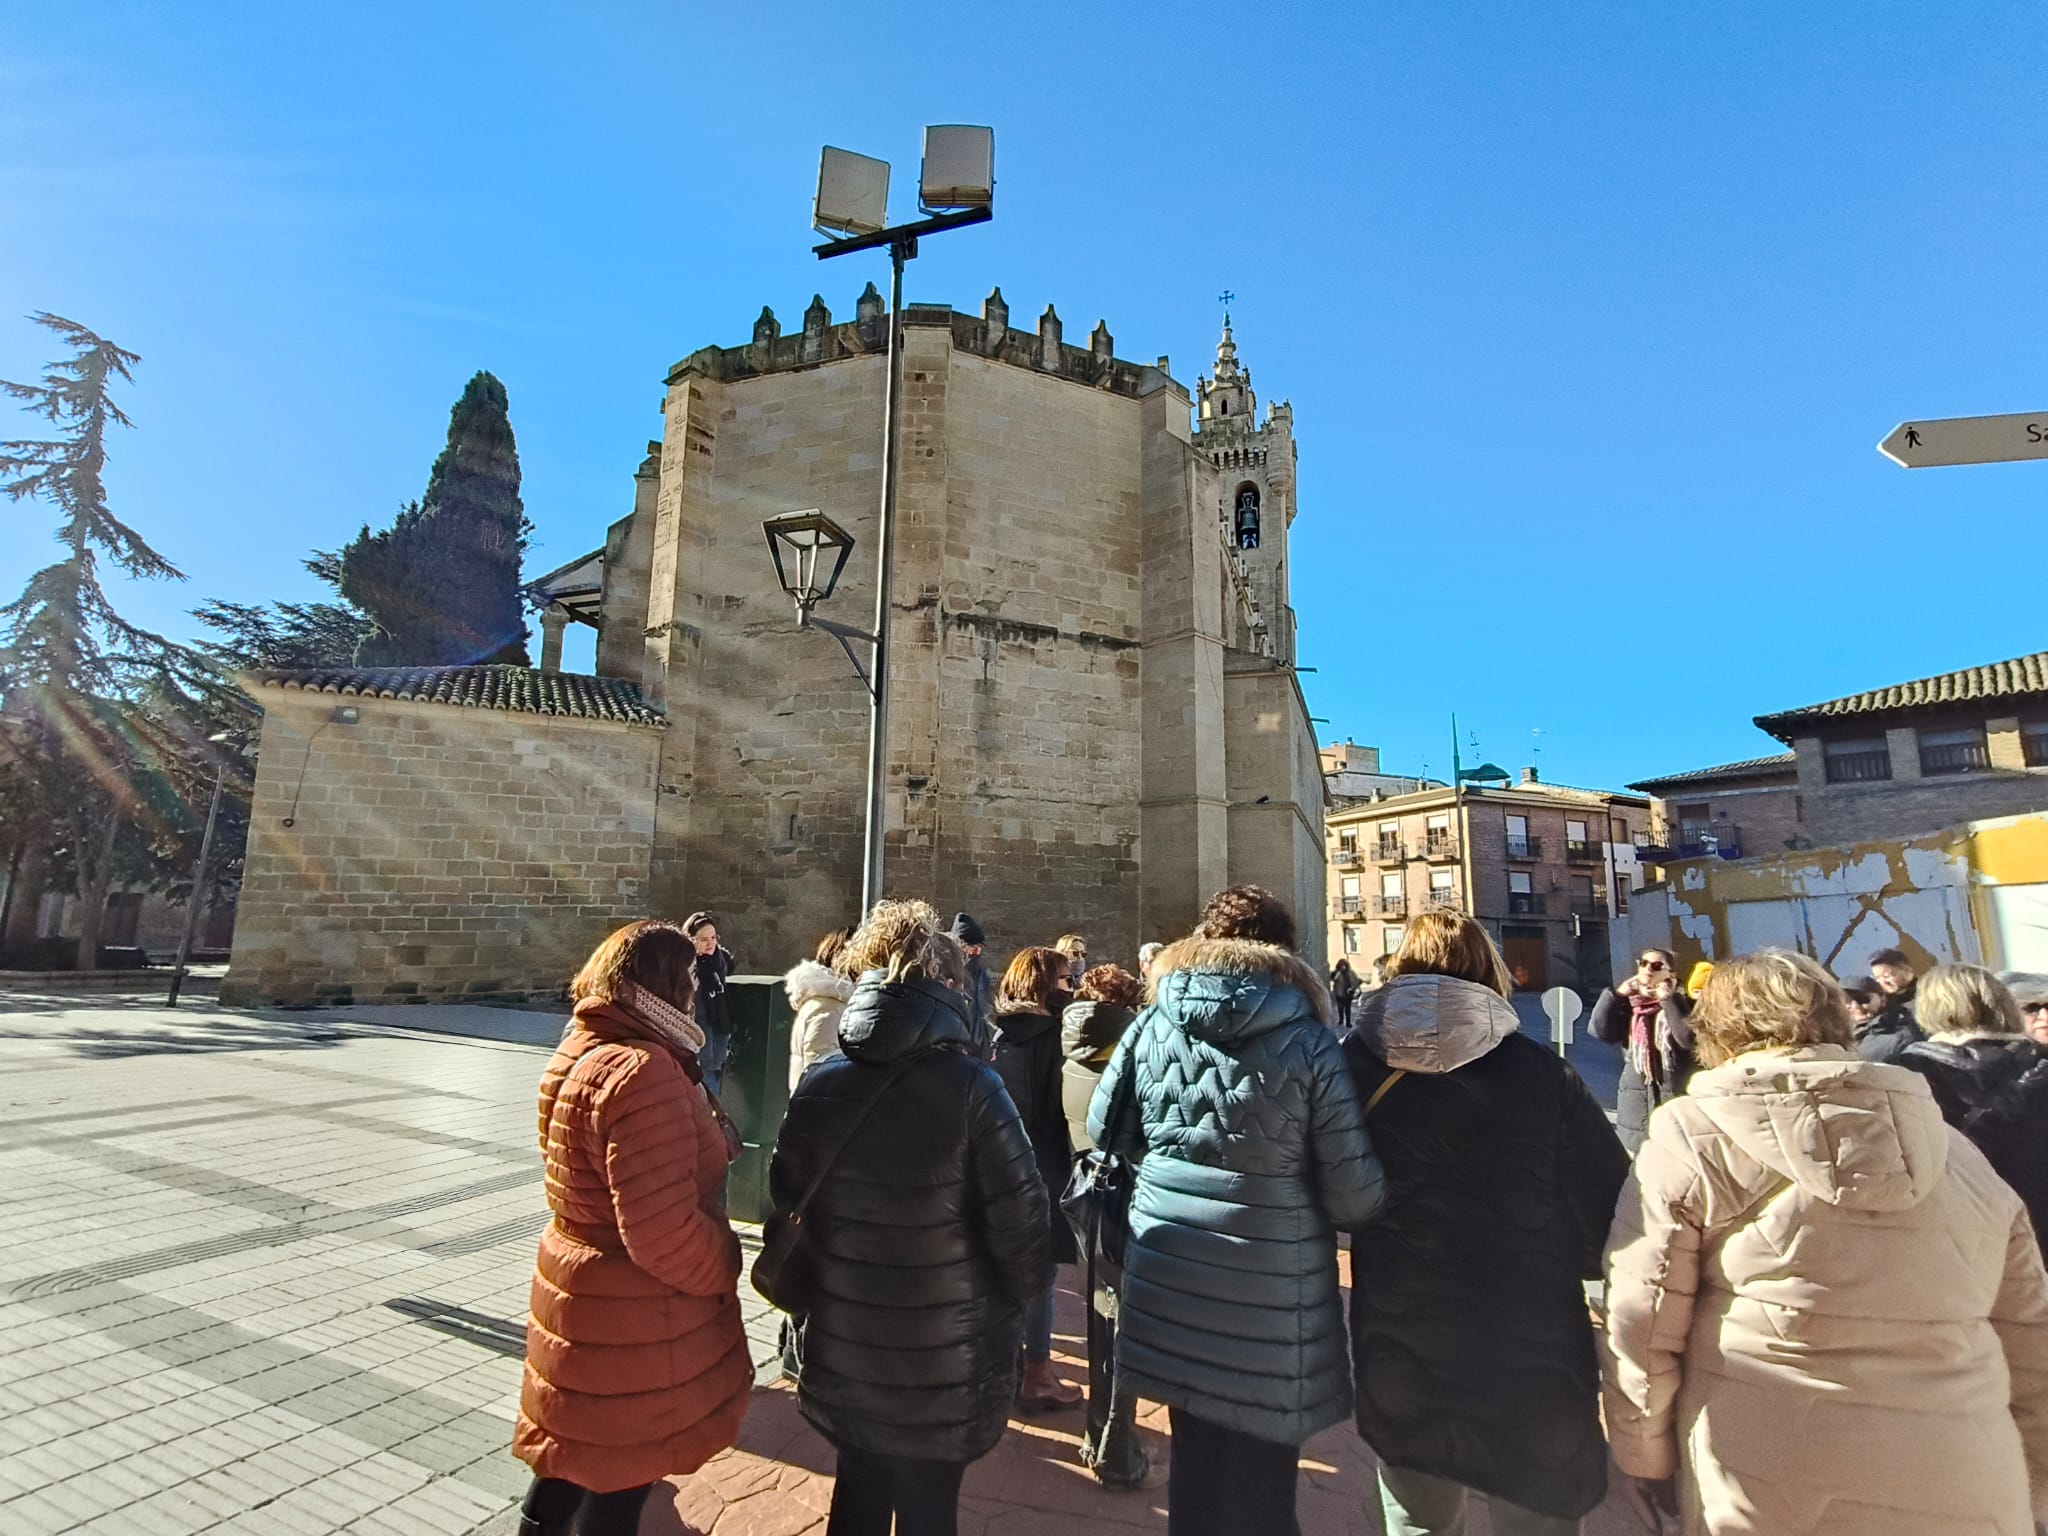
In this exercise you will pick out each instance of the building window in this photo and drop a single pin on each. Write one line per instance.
(1246, 519)
(1617, 829)
(1348, 895)
(2034, 743)
(1390, 939)
(1958, 751)
(1583, 902)
(1393, 896)
(1347, 842)
(1390, 840)
(1520, 844)
(1858, 760)
(1578, 841)
(1350, 941)
(1522, 897)
(1621, 896)
(1436, 836)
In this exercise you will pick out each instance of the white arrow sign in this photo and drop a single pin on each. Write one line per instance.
(1967, 440)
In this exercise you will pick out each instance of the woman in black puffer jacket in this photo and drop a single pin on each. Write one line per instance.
(1032, 995)
(929, 1230)
(1475, 1354)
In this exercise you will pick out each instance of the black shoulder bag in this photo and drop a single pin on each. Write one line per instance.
(786, 1269)
(1097, 1201)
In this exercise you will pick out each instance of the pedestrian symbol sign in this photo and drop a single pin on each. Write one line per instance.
(1967, 440)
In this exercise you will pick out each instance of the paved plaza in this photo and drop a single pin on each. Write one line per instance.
(266, 1273)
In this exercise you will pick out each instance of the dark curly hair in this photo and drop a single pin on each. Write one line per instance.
(1112, 984)
(1247, 912)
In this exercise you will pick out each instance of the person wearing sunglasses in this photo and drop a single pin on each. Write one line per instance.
(1648, 1017)
(2030, 990)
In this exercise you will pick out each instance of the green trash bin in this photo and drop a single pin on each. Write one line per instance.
(756, 1086)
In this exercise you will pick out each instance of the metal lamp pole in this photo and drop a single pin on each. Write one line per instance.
(902, 244)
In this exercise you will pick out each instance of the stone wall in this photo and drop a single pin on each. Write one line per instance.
(436, 852)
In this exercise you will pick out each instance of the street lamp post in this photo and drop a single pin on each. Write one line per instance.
(956, 188)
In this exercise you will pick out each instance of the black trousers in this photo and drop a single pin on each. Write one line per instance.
(555, 1507)
(1223, 1483)
(1109, 1443)
(922, 1496)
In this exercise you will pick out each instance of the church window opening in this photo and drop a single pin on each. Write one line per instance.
(1245, 521)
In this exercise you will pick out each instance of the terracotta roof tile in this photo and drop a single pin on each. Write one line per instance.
(2018, 678)
(515, 690)
(1748, 768)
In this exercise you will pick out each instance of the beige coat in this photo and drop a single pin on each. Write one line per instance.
(817, 996)
(1826, 1313)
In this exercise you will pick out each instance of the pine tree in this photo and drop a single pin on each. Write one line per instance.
(84, 748)
(441, 585)
(256, 636)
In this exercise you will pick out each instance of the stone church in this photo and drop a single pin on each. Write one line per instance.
(1094, 715)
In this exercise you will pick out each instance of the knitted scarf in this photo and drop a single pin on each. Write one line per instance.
(678, 1031)
(1644, 1054)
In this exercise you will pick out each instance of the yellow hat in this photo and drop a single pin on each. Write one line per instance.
(1697, 977)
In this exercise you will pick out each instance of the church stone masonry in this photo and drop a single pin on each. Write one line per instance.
(1094, 715)
(1094, 719)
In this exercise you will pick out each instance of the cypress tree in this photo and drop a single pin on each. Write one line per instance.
(441, 585)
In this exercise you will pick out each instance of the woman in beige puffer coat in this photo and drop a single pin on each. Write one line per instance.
(1827, 1316)
(817, 997)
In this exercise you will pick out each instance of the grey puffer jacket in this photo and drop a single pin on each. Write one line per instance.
(1255, 1152)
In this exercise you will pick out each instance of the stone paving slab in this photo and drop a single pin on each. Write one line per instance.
(267, 1271)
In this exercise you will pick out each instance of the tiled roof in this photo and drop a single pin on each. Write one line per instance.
(2018, 678)
(516, 690)
(1748, 768)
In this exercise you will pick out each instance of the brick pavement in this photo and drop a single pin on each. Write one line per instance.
(266, 1274)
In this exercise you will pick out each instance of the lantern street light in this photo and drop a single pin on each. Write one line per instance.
(801, 543)
(956, 188)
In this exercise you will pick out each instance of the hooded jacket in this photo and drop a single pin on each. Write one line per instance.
(1886, 1037)
(1994, 1089)
(1089, 1031)
(929, 1230)
(1827, 1314)
(1253, 1155)
(636, 1357)
(818, 995)
(1474, 1352)
(1027, 1055)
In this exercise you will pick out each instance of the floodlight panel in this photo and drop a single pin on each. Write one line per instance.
(853, 192)
(959, 167)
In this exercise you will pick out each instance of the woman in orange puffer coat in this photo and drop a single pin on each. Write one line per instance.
(636, 1361)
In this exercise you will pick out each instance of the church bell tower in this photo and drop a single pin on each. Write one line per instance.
(1255, 481)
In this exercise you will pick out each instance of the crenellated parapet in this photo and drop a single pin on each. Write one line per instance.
(989, 334)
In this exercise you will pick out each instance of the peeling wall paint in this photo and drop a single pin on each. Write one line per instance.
(1977, 893)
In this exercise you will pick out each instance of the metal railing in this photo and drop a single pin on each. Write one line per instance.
(1345, 858)
(1524, 847)
(1440, 845)
(1390, 906)
(1347, 906)
(1387, 850)
(1442, 900)
(1955, 757)
(1525, 903)
(1584, 849)
(1858, 767)
(1590, 906)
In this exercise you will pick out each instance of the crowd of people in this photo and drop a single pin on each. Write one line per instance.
(1792, 1286)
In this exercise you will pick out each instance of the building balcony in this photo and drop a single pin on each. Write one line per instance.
(1584, 852)
(1524, 847)
(1441, 900)
(1700, 840)
(1440, 847)
(1390, 906)
(1387, 850)
(1955, 757)
(1858, 767)
(1525, 903)
(1346, 858)
(1593, 907)
(1347, 906)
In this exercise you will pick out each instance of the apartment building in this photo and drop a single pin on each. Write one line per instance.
(1730, 811)
(1545, 867)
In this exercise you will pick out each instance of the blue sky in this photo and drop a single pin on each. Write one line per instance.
(1591, 315)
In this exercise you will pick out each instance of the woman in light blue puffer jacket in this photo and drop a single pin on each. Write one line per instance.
(1255, 1154)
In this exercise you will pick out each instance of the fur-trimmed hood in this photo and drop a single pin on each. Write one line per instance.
(808, 979)
(1231, 989)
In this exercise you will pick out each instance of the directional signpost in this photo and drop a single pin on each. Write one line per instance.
(1967, 440)
(1562, 1006)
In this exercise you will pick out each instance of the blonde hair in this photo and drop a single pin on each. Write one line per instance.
(1770, 1000)
(905, 942)
(1445, 944)
(1067, 943)
(1967, 1000)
